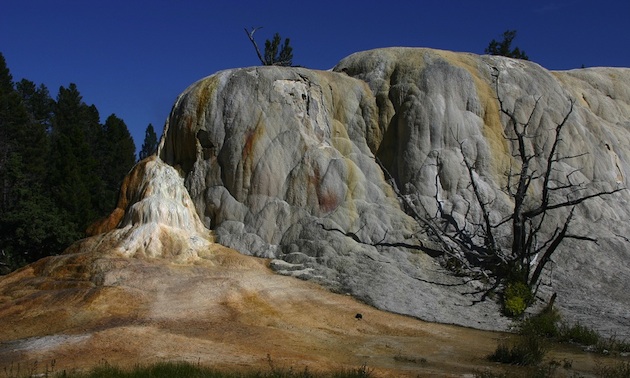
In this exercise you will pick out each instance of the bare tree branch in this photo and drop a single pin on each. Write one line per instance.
(518, 247)
(528, 255)
(250, 35)
(573, 202)
(489, 240)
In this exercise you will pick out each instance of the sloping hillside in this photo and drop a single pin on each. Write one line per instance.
(224, 310)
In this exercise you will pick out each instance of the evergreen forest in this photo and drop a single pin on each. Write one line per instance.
(60, 168)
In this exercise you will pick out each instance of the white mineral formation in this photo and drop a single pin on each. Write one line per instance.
(431, 101)
(155, 217)
(281, 163)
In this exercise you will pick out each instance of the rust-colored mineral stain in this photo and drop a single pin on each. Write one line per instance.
(328, 200)
(248, 147)
(204, 93)
(125, 195)
(252, 138)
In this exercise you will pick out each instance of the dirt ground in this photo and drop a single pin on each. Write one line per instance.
(228, 311)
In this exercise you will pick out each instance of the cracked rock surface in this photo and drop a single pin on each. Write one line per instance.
(281, 163)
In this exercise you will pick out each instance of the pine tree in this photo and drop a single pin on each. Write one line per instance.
(117, 158)
(30, 223)
(150, 143)
(37, 101)
(13, 137)
(276, 55)
(75, 173)
(504, 48)
(8, 99)
(6, 80)
(35, 142)
(60, 169)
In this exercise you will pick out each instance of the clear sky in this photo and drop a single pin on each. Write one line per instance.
(133, 58)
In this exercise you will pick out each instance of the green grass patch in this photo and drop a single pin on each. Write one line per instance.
(524, 350)
(157, 370)
(544, 324)
(536, 335)
(190, 370)
(578, 334)
(621, 370)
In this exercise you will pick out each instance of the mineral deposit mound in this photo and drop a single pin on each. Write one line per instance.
(277, 209)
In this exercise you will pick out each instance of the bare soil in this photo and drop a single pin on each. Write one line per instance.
(228, 311)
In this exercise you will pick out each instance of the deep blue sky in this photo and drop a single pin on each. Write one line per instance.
(133, 58)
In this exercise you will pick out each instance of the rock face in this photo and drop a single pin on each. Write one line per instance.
(430, 101)
(280, 163)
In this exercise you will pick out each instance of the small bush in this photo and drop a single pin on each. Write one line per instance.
(621, 370)
(578, 334)
(502, 354)
(611, 344)
(586, 336)
(516, 298)
(527, 350)
(530, 350)
(544, 324)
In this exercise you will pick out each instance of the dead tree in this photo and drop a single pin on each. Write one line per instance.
(529, 216)
(250, 35)
(523, 258)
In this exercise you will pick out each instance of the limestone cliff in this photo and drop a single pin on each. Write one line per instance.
(280, 163)
(430, 101)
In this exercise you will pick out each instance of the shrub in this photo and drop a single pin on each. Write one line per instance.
(502, 354)
(516, 298)
(578, 334)
(527, 350)
(621, 370)
(611, 344)
(544, 324)
(586, 336)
